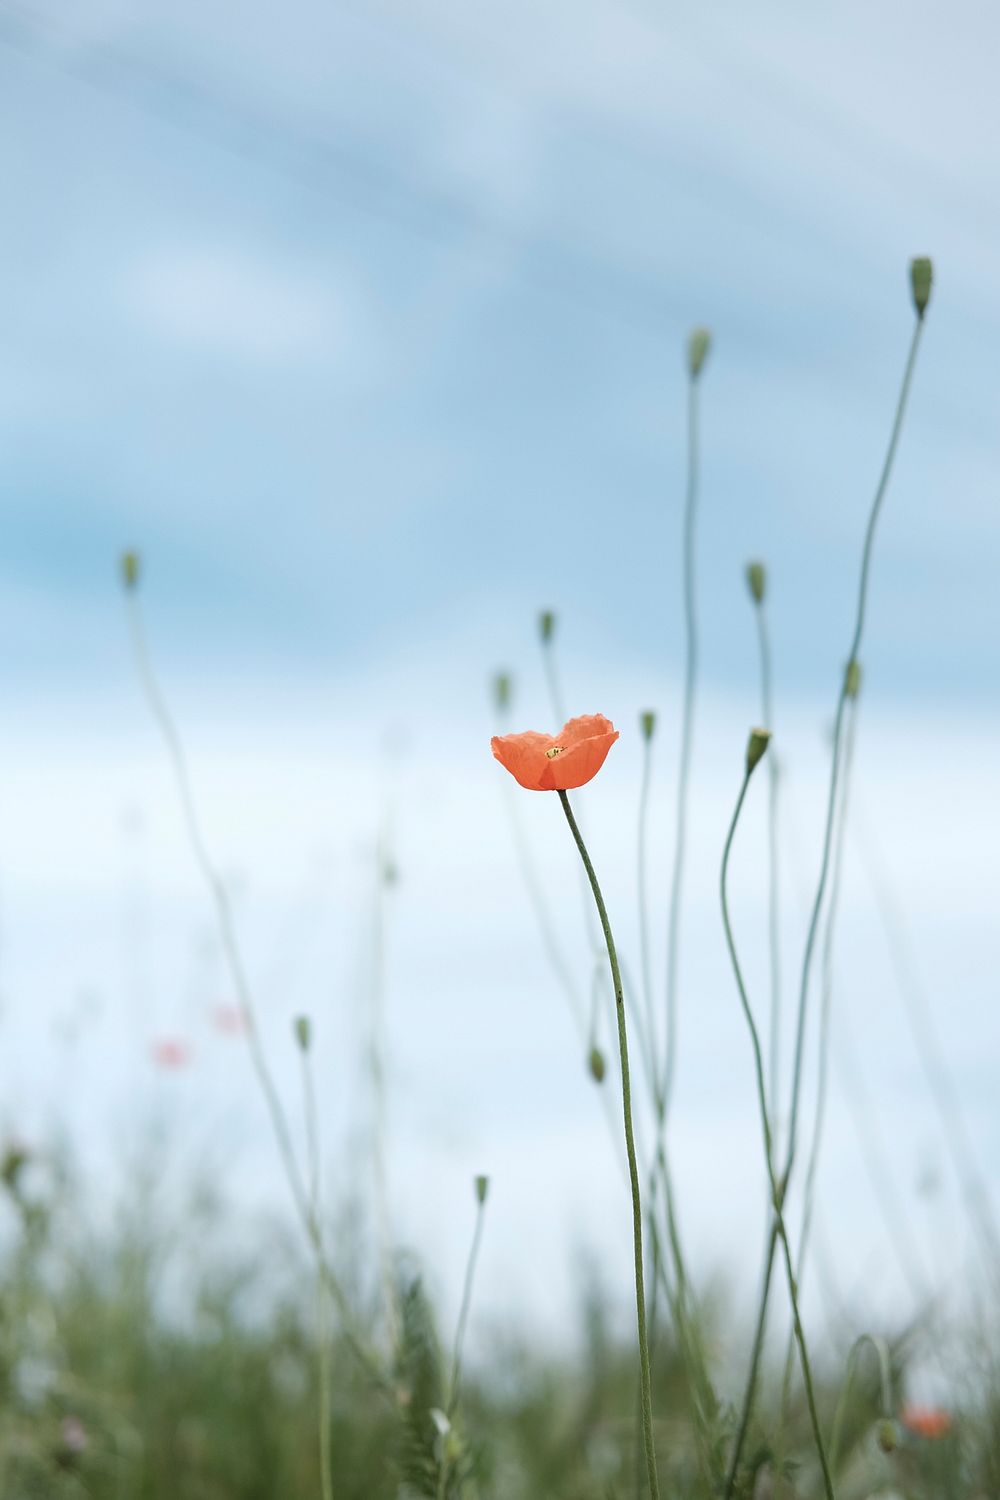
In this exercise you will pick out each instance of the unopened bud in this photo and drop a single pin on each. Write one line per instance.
(647, 722)
(596, 1064)
(130, 569)
(303, 1032)
(502, 690)
(756, 747)
(887, 1435)
(546, 625)
(921, 279)
(852, 678)
(757, 581)
(699, 343)
(482, 1188)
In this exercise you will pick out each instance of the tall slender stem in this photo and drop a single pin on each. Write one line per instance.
(687, 731)
(774, 887)
(862, 601)
(463, 1313)
(633, 1170)
(777, 1189)
(322, 1329)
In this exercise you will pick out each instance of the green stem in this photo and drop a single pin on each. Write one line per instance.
(463, 1314)
(323, 1334)
(777, 1190)
(826, 1005)
(633, 1171)
(774, 920)
(687, 728)
(862, 601)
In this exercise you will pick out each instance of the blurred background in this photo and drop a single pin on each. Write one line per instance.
(365, 325)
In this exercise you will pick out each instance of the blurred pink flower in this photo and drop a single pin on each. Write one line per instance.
(229, 1020)
(73, 1435)
(171, 1053)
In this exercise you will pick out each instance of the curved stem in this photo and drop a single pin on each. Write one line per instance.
(885, 1386)
(826, 1004)
(777, 1190)
(687, 729)
(852, 656)
(643, 894)
(633, 1171)
(463, 1314)
(800, 1023)
(774, 919)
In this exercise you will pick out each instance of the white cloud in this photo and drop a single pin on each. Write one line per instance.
(226, 303)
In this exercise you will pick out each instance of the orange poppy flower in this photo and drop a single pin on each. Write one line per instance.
(926, 1421)
(557, 762)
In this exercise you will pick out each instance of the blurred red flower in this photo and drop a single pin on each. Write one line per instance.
(557, 763)
(926, 1421)
(229, 1020)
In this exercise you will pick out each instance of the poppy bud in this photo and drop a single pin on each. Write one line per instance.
(647, 722)
(482, 1188)
(699, 343)
(130, 569)
(887, 1435)
(303, 1032)
(502, 691)
(756, 747)
(757, 581)
(546, 626)
(852, 678)
(596, 1064)
(921, 278)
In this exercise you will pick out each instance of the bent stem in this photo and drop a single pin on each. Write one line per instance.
(633, 1170)
(774, 920)
(463, 1313)
(777, 1190)
(862, 602)
(234, 961)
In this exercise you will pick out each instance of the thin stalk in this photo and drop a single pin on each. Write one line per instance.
(774, 889)
(234, 961)
(633, 1171)
(642, 886)
(322, 1333)
(383, 876)
(687, 732)
(862, 601)
(777, 1190)
(463, 1313)
(826, 1006)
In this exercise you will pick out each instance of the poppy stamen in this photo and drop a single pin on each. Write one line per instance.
(556, 750)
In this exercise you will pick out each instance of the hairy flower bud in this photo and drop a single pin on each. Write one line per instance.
(699, 343)
(596, 1064)
(130, 569)
(756, 747)
(757, 581)
(482, 1188)
(647, 722)
(546, 625)
(502, 691)
(921, 280)
(303, 1032)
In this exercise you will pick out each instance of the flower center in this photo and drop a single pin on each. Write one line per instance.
(554, 751)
